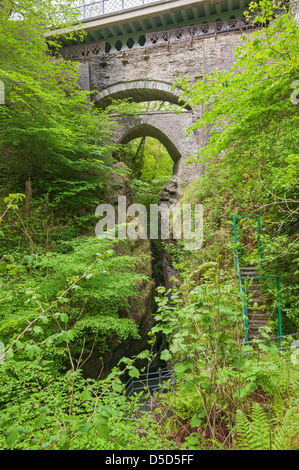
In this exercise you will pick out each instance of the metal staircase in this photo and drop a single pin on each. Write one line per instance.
(253, 305)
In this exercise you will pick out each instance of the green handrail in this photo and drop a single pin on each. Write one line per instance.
(242, 288)
(243, 298)
(279, 309)
(246, 314)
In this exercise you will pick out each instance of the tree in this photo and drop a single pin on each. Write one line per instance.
(50, 134)
(251, 113)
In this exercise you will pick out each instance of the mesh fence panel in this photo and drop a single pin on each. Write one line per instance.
(104, 7)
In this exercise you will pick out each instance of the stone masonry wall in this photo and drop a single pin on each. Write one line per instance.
(159, 63)
(162, 65)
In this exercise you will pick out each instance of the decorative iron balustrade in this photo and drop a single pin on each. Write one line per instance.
(104, 7)
(200, 31)
(83, 51)
(160, 38)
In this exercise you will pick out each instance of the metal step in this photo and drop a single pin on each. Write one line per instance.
(256, 315)
(249, 270)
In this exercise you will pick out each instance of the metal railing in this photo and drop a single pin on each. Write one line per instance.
(187, 34)
(151, 382)
(242, 286)
(104, 7)
(201, 31)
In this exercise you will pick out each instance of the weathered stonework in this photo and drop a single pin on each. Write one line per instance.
(147, 74)
(170, 129)
(160, 64)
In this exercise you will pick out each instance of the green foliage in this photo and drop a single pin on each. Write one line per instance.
(217, 376)
(151, 166)
(87, 305)
(252, 157)
(257, 433)
(253, 98)
(204, 310)
(51, 136)
(68, 413)
(57, 309)
(66, 297)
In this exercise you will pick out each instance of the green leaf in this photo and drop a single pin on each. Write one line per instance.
(85, 395)
(40, 420)
(118, 387)
(133, 372)
(250, 387)
(165, 355)
(64, 443)
(181, 368)
(85, 427)
(32, 350)
(11, 437)
(101, 425)
(240, 393)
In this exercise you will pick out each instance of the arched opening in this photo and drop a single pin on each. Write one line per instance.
(154, 116)
(151, 167)
(140, 91)
(151, 157)
(143, 130)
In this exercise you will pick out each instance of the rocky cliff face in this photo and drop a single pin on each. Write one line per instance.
(139, 308)
(169, 195)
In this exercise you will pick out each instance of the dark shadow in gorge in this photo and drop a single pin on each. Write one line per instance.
(149, 168)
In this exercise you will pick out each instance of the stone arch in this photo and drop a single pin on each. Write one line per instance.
(169, 128)
(139, 91)
(145, 129)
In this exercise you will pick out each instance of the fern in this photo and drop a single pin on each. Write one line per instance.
(260, 427)
(244, 429)
(257, 433)
(279, 440)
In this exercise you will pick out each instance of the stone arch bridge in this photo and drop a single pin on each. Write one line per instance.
(138, 48)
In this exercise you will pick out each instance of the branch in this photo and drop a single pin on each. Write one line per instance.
(49, 308)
